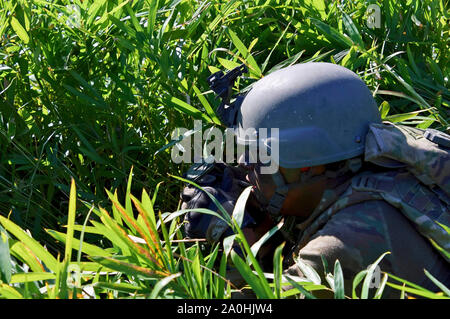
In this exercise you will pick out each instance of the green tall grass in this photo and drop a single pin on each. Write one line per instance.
(159, 263)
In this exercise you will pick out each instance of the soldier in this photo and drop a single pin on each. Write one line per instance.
(348, 187)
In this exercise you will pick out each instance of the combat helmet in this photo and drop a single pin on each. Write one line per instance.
(322, 112)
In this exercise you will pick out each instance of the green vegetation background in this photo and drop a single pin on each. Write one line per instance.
(91, 89)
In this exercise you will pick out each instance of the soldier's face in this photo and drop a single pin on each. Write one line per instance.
(299, 201)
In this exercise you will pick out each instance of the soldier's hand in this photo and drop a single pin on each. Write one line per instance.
(226, 188)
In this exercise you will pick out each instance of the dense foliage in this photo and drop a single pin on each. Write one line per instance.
(90, 90)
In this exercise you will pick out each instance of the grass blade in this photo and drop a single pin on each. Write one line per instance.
(308, 271)
(5, 257)
(380, 289)
(239, 208)
(418, 292)
(207, 106)
(127, 268)
(352, 30)
(260, 288)
(19, 29)
(86, 248)
(338, 281)
(358, 278)
(9, 292)
(300, 288)
(332, 34)
(31, 276)
(39, 251)
(251, 62)
(186, 108)
(70, 221)
(161, 284)
(278, 270)
(437, 283)
(369, 275)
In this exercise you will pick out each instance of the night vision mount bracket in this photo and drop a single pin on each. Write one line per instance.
(222, 84)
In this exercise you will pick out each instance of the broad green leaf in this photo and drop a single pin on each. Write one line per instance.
(206, 105)
(197, 272)
(24, 254)
(186, 108)
(352, 30)
(147, 205)
(319, 6)
(402, 117)
(93, 10)
(411, 60)
(90, 152)
(120, 213)
(155, 192)
(260, 288)
(227, 64)
(31, 276)
(358, 278)
(308, 271)
(127, 268)
(256, 246)
(70, 221)
(117, 241)
(94, 268)
(130, 32)
(369, 275)
(20, 31)
(418, 292)
(332, 33)
(9, 292)
(349, 58)
(252, 65)
(153, 7)
(222, 273)
(278, 270)
(239, 207)
(169, 260)
(122, 287)
(300, 288)
(5, 257)
(436, 71)
(380, 289)
(86, 98)
(128, 206)
(87, 229)
(39, 251)
(87, 248)
(228, 244)
(338, 281)
(384, 109)
(133, 18)
(120, 235)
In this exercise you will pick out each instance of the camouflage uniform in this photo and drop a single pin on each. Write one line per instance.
(401, 211)
(358, 234)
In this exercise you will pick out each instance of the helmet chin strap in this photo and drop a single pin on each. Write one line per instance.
(282, 188)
